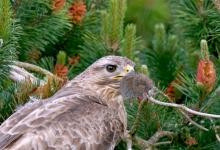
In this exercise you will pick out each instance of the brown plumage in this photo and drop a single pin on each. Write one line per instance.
(86, 114)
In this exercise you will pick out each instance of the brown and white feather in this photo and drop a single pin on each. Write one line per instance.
(88, 113)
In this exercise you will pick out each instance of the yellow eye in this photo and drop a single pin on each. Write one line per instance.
(111, 68)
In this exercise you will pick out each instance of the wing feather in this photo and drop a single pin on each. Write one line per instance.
(30, 117)
(7, 138)
(72, 122)
(91, 125)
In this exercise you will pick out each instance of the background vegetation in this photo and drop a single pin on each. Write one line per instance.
(55, 40)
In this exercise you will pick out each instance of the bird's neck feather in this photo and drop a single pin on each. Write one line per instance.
(108, 95)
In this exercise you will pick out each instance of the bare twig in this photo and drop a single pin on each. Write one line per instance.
(18, 74)
(183, 107)
(162, 143)
(129, 144)
(184, 114)
(1, 43)
(34, 68)
(153, 140)
(216, 130)
(158, 135)
(141, 142)
(128, 140)
(193, 122)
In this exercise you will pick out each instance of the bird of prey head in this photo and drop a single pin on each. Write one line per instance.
(107, 70)
(103, 76)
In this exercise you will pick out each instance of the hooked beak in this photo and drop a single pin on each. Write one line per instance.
(125, 71)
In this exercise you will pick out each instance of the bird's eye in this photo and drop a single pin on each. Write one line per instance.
(111, 68)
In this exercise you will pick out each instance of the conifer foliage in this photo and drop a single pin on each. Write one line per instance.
(9, 34)
(46, 43)
(198, 19)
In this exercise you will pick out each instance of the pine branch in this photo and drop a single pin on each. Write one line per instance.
(105, 26)
(61, 58)
(128, 139)
(185, 114)
(162, 143)
(112, 24)
(216, 133)
(215, 130)
(136, 124)
(46, 63)
(197, 20)
(129, 41)
(193, 122)
(91, 50)
(117, 13)
(41, 25)
(163, 57)
(18, 74)
(5, 20)
(45, 88)
(153, 140)
(35, 68)
(1, 42)
(9, 34)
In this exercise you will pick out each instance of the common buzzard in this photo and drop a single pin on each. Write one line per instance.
(86, 114)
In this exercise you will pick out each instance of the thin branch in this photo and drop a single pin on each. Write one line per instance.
(216, 130)
(184, 114)
(128, 140)
(18, 74)
(162, 143)
(183, 107)
(158, 135)
(153, 140)
(129, 144)
(1, 43)
(216, 133)
(34, 68)
(193, 122)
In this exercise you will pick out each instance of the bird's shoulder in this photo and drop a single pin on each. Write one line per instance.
(39, 113)
(92, 126)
